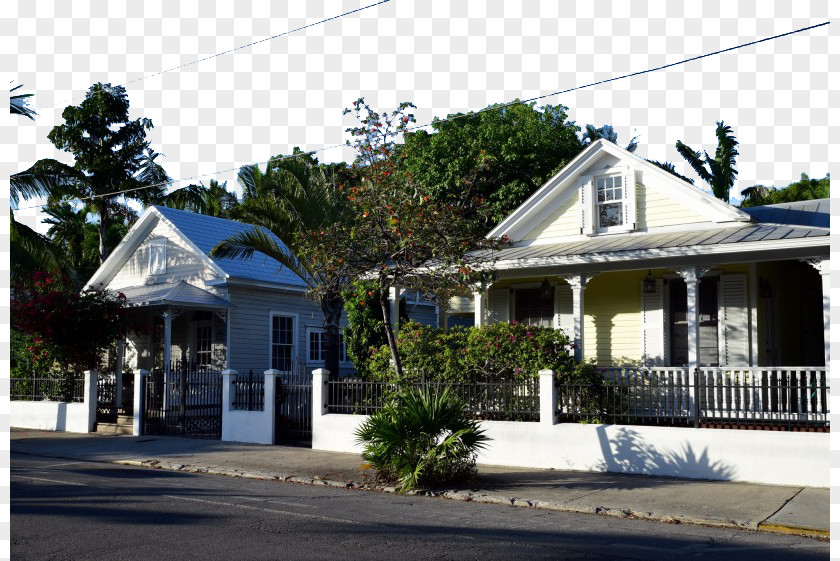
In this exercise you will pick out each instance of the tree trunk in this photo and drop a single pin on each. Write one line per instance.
(389, 331)
(103, 233)
(332, 306)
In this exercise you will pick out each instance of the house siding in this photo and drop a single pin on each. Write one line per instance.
(564, 221)
(612, 327)
(657, 208)
(182, 263)
(249, 326)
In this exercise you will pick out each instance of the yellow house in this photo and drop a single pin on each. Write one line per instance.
(644, 269)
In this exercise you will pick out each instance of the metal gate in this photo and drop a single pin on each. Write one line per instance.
(293, 405)
(189, 403)
(106, 398)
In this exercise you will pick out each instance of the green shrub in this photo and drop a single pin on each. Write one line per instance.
(421, 437)
(501, 351)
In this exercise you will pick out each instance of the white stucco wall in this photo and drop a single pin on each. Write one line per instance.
(780, 458)
(53, 415)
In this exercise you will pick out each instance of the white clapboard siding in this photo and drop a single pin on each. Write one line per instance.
(734, 320)
(564, 317)
(498, 305)
(629, 180)
(653, 326)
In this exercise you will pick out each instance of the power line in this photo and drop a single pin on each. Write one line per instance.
(244, 46)
(454, 117)
(639, 73)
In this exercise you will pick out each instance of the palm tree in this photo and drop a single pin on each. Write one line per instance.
(213, 200)
(591, 134)
(293, 198)
(721, 171)
(19, 104)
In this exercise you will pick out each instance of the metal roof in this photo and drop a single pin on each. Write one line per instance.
(800, 213)
(208, 231)
(179, 293)
(620, 243)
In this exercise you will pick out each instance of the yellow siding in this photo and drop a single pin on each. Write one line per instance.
(657, 208)
(564, 221)
(612, 330)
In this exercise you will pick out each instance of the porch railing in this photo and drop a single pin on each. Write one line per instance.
(515, 400)
(732, 397)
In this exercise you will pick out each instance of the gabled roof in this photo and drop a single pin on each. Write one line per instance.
(181, 294)
(815, 213)
(564, 182)
(201, 233)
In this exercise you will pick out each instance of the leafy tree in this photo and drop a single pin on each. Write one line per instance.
(422, 437)
(293, 200)
(805, 189)
(669, 167)
(395, 233)
(113, 159)
(74, 329)
(721, 171)
(499, 155)
(591, 134)
(212, 200)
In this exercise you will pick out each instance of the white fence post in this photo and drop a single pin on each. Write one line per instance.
(548, 397)
(268, 400)
(139, 393)
(319, 393)
(228, 376)
(91, 377)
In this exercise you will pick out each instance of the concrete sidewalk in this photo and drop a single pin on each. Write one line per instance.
(764, 507)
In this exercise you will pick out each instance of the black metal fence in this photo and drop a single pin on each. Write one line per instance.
(248, 392)
(38, 388)
(517, 400)
(781, 398)
(293, 404)
(187, 402)
(106, 396)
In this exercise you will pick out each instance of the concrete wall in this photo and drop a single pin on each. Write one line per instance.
(256, 427)
(57, 415)
(779, 458)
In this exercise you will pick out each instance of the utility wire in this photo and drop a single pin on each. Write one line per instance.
(454, 117)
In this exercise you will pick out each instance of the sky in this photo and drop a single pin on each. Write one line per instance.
(216, 115)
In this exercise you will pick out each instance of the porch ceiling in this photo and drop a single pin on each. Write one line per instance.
(176, 294)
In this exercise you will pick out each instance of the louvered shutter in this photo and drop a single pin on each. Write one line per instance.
(629, 181)
(586, 194)
(498, 303)
(653, 327)
(563, 311)
(734, 319)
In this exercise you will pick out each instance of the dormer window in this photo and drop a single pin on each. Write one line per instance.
(157, 256)
(610, 201)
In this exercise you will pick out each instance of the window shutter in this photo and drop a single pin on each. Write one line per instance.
(629, 181)
(653, 327)
(563, 311)
(498, 305)
(586, 198)
(734, 319)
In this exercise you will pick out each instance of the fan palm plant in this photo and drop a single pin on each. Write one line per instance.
(591, 134)
(721, 171)
(213, 200)
(422, 437)
(292, 199)
(19, 104)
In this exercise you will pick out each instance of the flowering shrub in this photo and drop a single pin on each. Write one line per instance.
(504, 351)
(64, 327)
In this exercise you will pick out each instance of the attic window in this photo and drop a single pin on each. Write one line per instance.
(157, 256)
(610, 201)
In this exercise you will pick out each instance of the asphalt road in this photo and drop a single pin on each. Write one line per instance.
(68, 510)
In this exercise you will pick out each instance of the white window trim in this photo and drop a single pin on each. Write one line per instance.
(193, 339)
(281, 313)
(153, 245)
(313, 329)
(589, 184)
(623, 227)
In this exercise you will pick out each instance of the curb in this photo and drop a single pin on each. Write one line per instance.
(485, 498)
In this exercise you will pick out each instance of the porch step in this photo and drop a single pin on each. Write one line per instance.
(124, 425)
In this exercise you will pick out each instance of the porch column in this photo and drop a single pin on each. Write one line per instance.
(823, 267)
(480, 299)
(394, 298)
(578, 284)
(167, 356)
(691, 276)
(118, 371)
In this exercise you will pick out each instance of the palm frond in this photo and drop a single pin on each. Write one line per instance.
(695, 160)
(244, 244)
(46, 178)
(19, 104)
